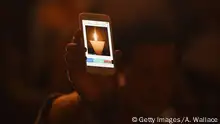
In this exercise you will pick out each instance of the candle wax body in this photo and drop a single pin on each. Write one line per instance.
(98, 46)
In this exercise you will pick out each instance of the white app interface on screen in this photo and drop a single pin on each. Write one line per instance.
(97, 40)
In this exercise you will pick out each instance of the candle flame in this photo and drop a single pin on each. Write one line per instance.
(95, 36)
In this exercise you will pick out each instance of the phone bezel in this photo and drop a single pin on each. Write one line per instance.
(98, 17)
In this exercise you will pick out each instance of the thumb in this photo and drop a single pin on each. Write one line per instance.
(118, 60)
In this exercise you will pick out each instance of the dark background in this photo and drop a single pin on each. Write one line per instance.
(102, 33)
(34, 34)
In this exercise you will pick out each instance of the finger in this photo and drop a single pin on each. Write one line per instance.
(71, 61)
(70, 46)
(75, 54)
(78, 38)
(77, 42)
(74, 48)
(75, 59)
(76, 69)
(118, 60)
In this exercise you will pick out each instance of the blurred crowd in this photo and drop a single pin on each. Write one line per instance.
(35, 34)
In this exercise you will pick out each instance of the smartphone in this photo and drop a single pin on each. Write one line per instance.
(97, 39)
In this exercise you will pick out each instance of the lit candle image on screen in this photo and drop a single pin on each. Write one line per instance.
(97, 45)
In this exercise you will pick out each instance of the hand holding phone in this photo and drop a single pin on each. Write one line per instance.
(91, 86)
(97, 39)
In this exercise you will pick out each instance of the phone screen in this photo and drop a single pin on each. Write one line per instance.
(98, 42)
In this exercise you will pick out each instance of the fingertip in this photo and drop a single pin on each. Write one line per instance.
(69, 45)
(118, 53)
(85, 49)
